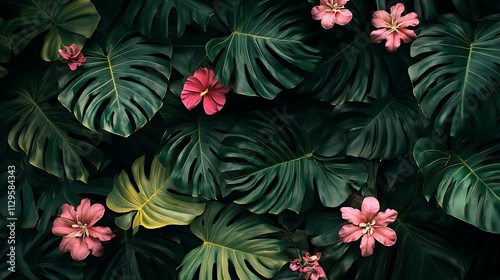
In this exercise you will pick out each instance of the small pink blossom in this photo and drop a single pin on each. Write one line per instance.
(80, 236)
(370, 224)
(331, 12)
(73, 57)
(393, 27)
(309, 266)
(204, 85)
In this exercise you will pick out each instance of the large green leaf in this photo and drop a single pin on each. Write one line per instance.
(235, 238)
(67, 22)
(194, 145)
(351, 67)
(37, 256)
(120, 86)
(464, 179)
(46, 132)
(153, 201)
(149, 254)
(456, 74)
(151, 17)
(381, 129)
(266, 50)
(279, 162)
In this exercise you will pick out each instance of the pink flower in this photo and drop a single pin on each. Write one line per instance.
(310, 266)
(314, 272)
(331, 12)
(80, 236)
(308, 259)
(295, 264)
(370, 224)
(393, 27)
(204, 85)
(73, 57)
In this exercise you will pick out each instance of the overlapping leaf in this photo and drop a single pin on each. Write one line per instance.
(121, 85)
(278, 162)
(193, 146)
(457, 73)
(265, 51)
(235, 238)
(153, 201)
(464, 179)
(151, 17)
(67, 22)
(47, 133)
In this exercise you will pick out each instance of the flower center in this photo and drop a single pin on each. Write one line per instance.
(394, 25)
(334, 8)
(204, 92)
(82, 229)
(368, 227)
(313, 258)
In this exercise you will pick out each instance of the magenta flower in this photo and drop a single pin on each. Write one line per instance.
(204, 85)
(73, 57)
(393, 27)
(309, 266)
(80, 236)
(370, 224)
(331, 12)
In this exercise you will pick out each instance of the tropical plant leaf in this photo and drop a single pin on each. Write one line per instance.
(233, 237)
(352, 68)
(149, 254)
(121, 85)
(66, 21)
(381, 129)
(457, 74)
(265, 51)
(193, 146)
(5, 48)
(151, 17)
(464, 179)
(37, 256)
(51, 138)
(278, 162)
(469, 9)
(151, 201)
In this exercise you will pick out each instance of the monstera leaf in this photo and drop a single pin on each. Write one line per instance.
(265, 51)
(37, 256)
(464, 179)
(381, 129)
(193, 145)
(149, 254)
(47, 133)
(120, 86)
(67, 22)
(352, 67)
(233, 237)
(456, 75)
(151, 17)
(278, 162)
(153, 201)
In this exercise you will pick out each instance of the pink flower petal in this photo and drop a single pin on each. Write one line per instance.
(213, 102)
(317, 272)
(68, 212)
(386, 217)
(93, 214)
(378, 35)
(318, 12)
(407, 35)
(350, 233)
(393, 42)
(101, 233)
(343, 17)
(63, 226)
(340, 3)
(328, 21)
(381, 18)
(295, 264)
(369, 208)
(76, 246)
(386, 236)
(95, 246)
(397, 10)
(352, 215)
(190, 99)
(410, 19)
(193, 84)
(82, 209)
(367, 245)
